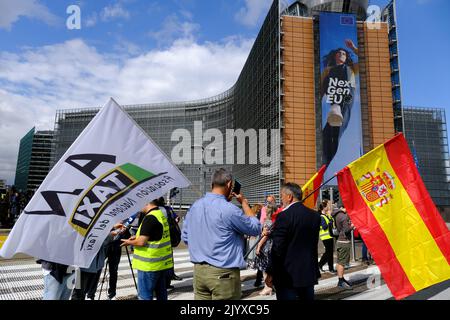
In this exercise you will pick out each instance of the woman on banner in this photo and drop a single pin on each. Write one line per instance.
(338, 84)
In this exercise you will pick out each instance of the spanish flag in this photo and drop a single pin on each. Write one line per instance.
(312, 185)
(387, 201)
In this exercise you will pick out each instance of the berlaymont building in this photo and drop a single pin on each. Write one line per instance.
(318, 70)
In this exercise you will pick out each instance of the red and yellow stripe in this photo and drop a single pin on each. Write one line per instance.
(312, 185)
(406, 236)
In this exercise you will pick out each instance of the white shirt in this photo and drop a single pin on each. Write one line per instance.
(289, 205)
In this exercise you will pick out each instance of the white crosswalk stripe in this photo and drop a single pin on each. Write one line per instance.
(23, 279)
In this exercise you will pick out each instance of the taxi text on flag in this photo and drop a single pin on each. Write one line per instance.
(109, 173)
(387, 201)
(312, 185)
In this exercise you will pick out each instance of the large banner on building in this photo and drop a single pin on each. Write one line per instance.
(340, 92)
(109, 173)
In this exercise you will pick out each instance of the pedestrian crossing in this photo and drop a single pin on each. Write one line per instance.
(22, 279)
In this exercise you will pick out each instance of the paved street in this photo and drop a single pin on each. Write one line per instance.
(23, 279)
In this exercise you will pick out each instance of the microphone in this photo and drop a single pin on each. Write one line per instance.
(126, 225)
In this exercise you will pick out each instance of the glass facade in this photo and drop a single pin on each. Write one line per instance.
(426, 133)
(256, 104)
(33, 163)
(158, 121)
(252, 103)
(389, 16)
(258, 101)
(23, 161)
(357, 7)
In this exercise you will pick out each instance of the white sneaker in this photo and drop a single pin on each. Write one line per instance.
(335, 117)
(113, 298)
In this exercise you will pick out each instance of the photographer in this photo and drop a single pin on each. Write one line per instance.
(214, 230)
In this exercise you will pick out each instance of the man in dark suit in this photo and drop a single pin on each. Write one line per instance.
(294, 269)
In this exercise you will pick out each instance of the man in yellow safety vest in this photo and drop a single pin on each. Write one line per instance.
(152, 253)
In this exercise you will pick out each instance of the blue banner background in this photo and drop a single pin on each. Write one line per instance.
(335, 28)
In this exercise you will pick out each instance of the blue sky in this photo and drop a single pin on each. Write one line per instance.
(152, 51)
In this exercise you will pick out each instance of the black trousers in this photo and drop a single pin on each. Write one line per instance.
(169, 275)
(259, 276)
(330, 143)
(113, 254)
(327, 256)
(304, 293)
(88, 283)
(331, 135)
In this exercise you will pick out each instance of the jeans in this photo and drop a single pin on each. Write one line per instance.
(305, 293)
(53, 290)
(149, 281)
(364, 252)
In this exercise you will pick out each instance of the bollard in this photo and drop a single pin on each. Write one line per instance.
(353, 248)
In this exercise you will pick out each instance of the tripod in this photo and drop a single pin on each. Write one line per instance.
(106, 268)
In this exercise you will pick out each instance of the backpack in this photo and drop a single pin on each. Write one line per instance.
(174, 229)
(333, 228)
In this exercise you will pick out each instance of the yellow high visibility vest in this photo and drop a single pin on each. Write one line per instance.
(325, 234)
(155, 255)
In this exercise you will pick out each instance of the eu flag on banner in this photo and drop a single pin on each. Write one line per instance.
(347, 20)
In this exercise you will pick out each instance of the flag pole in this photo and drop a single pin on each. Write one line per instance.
(303, 200)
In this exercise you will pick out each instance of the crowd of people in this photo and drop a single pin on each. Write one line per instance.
(335, 228)
(12, 202)
(286, 240)
(286, 254)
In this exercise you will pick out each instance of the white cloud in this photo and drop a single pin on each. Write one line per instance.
(12, 10)
(36, 82)
(91, 20)
(174, 28)
(114, 12)
(252, 12)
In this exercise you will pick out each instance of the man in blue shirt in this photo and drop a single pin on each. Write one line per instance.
(214, 230)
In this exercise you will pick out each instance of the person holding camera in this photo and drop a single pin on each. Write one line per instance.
(214, 230)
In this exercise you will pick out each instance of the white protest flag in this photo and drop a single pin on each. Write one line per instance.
(109, 173)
